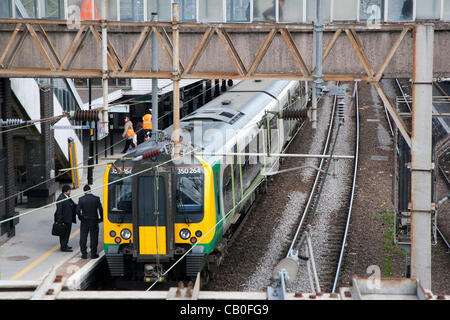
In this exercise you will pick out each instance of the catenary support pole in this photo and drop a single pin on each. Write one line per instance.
(176, 79)
(155, 80)
(421, 166)
(105, 116)
(318, 48)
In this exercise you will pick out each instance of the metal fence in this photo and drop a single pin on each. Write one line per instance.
(232, 11)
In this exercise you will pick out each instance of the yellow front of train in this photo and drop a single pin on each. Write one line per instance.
(158, 217)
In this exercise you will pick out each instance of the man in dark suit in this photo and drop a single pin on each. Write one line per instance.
(65, 213)
(90, 213)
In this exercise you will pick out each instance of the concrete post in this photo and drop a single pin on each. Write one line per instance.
(421, 166)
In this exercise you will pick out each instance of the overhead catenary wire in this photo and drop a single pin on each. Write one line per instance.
(64, 172)
(248, 193)
(207, 233)
(110, 147)
(127, 177)
(81, 163)
(96, 188)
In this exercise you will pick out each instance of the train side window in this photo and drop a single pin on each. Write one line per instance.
(273, 134)
(227, 189)
(252, 166)
(237, 177)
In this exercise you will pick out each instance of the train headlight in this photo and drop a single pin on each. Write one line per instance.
(125, 234)
(185, 234)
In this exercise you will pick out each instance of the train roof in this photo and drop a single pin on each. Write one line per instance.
(232, 111)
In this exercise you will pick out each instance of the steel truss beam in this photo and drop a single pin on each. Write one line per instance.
(125, 67)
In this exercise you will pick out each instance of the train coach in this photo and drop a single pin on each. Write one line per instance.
(169, 218)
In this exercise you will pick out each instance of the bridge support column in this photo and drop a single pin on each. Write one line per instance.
(421, 166)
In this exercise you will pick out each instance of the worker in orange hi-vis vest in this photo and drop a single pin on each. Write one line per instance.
(86, 10)
(129, 134)
(147, 125)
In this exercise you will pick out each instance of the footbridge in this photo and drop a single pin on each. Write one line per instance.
(309, 40)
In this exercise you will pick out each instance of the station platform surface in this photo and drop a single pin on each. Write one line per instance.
(33, 251)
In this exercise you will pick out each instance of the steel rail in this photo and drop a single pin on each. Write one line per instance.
(316, 181)
(352, 196)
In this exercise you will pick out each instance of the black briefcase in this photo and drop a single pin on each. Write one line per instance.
(58, 229)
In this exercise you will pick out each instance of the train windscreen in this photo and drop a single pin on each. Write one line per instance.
(189, 194)
(120, 208)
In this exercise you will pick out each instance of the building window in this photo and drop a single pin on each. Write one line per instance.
(26, 9)
(188, 10)
(400, 10)
(311, 10)
(291, 11)
(345, 10)
(371, 10)
(428, 9)
(238, 10)
(5, 9)
(264, 10)
(446, 10)
(54, 9)
(211, 11)
(162, 7)
(132, 10)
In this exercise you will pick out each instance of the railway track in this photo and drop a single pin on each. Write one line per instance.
(331, 257)
(405, 89)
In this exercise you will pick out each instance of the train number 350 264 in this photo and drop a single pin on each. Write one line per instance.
(188, 170)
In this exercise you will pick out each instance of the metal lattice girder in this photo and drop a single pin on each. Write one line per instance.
(49, 48)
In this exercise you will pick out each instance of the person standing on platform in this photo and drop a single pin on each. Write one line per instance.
(147, 125)
(65, 213)
(90, 213)
(129, 134)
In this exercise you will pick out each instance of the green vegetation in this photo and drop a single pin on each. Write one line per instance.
(386, 216)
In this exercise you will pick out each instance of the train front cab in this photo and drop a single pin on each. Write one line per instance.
(172, 208)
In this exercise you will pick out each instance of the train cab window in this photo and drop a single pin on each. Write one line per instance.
(120, 209)
(190, 194)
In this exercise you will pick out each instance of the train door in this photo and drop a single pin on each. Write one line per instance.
(152, 218)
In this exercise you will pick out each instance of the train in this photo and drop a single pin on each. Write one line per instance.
(170, 218)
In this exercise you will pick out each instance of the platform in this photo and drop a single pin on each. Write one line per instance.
(33, 251)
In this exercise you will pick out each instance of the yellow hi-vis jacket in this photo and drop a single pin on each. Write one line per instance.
(147, 123)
